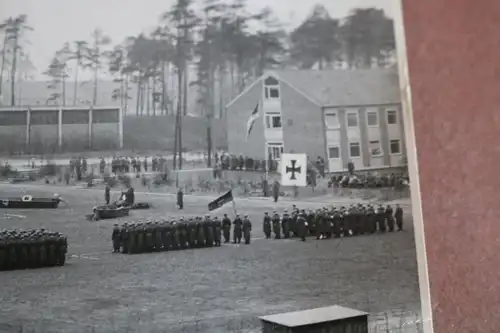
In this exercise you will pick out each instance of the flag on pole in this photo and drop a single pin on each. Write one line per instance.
(221, 201)
(251, 121)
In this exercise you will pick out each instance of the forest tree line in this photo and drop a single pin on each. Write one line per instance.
(221, 42)
(226, 46)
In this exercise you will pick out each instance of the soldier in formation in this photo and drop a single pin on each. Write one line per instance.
(21, 249)
(334, 222)
(163, 235)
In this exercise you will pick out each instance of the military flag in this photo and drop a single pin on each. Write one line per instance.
(221, 201)
(251, 121)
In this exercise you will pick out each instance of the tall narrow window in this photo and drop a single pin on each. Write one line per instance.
(271, 88)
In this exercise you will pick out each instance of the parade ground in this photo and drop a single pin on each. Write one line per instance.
(211, 290)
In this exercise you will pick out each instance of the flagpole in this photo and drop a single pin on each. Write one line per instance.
(234, 207)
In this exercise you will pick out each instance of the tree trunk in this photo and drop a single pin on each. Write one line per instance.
(185, 91)
(75, 84)
(138, 98)
(177, 117)
(163, 106)
(63, 90)
(4, 54)
(94, 100)
(13, 74)
(126, 97)
(147, 93)
(221, 93)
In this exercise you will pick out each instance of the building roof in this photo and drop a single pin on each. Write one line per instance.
(313, 316)
(344, 87)
(340, 87)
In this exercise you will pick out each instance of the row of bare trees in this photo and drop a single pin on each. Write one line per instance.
(215, 47)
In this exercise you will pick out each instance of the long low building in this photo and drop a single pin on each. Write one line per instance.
(341, 115)
(50, 129)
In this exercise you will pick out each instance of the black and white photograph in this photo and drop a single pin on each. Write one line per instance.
(205, 166)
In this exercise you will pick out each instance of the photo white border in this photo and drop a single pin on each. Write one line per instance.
(416, 200)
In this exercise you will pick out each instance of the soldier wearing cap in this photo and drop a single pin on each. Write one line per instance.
(398, 215)
(237, 229)
(209, 231)
(276, 220)
(217, 231)
(247, 229)
(266, 225)
(200, 232)
(115, 238)
(285, 224)
(302, 226)
(226, 228)
(389, 218)
(380, 218)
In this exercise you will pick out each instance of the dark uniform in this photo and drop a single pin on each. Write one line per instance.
(302, 226)
(237, 229)
(276, 220)
(389, 218)
(226, 228)
(285, 224)
(398, 215)
(115, 238)
(180, 199)
(266, 225)
(217, 225)
(107, 194)
(247, 229)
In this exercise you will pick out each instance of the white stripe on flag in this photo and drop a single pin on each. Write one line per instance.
(251, 121)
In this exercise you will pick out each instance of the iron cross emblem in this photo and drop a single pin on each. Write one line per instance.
(293, 169)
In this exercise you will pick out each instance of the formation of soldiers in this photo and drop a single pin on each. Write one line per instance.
(332, 222)
(135, 164)
(198, 232)
(36, 248)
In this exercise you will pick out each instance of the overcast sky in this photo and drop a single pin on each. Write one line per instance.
(59, 21)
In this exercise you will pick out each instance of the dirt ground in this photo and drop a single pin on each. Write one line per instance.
(209, 290)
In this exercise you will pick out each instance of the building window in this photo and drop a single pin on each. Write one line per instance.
(392, 117)
(352, 119)
(354, 149)
(372, 118)
(334, 152)
(395, 147)
(275, 150)
(332, 120)
(273, 122)
(271, 88)
(375, 148)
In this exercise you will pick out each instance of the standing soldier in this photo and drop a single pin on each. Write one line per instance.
(302, 226)
(132, 240)
(276, 191)
(380, 216)
(180, 199)
(145, 164)
(267, 225)
(217, 230)
(209, 231)
(399, 217)
(237, 229)
(192, 232)
(102, 166)
(124, 233)
(115, 238)
(247, 228)
(107, 194)
(200, 241)
(226, 228)
(285, 224)
(276, 225)
(390, 218)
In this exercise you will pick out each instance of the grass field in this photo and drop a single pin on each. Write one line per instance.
(208, 290)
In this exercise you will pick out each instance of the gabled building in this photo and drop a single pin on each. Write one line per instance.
(340, 115)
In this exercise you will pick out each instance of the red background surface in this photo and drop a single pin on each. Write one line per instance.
(453, 49)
